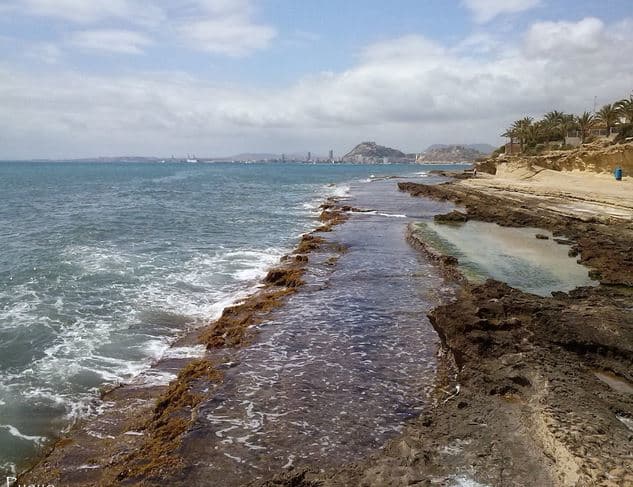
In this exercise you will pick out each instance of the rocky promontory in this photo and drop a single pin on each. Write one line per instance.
(372, 153)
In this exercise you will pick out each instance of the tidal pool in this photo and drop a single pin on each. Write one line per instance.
(614, 381)
(512, 255)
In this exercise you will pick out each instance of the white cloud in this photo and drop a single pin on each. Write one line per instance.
(486, 10)
(90, 11)
(44, 52)
(558, 39)
(111, 40)
(406, 92)
(225, 27)
(232, 35)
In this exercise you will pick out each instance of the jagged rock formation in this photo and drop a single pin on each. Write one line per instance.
(372, 153)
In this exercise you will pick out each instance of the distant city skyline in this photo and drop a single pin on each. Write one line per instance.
(80, 78)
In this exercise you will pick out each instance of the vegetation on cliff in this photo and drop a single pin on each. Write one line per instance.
(557, 128)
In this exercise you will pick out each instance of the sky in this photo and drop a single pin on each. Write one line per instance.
(85, 78)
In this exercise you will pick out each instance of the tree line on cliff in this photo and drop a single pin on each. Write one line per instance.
(535, 135)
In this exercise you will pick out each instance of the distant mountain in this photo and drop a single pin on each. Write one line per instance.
(372, 153)
(450, 153)
(483, 148)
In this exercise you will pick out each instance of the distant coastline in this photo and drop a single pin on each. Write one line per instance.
(363, 153)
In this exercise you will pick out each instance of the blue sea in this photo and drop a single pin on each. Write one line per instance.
(104, 265)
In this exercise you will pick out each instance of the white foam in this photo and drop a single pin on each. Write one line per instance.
(311, 206)
(92, 317)
(291, 460)
(253, 265)
(388, 215)
(233, 457)
(9, 467)
(628, 422)
(196, 351)
(96, 434)
(465, 481)
(13, 431)
(98, 260)
(338, 190)
(153, 377)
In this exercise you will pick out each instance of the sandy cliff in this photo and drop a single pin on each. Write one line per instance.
(597, 157)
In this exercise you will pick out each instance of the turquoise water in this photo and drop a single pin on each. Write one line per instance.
(103, 265)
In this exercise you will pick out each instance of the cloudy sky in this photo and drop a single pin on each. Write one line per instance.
(216, 77)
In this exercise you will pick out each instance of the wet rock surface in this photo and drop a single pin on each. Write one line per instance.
(538, 391)
(324, 379)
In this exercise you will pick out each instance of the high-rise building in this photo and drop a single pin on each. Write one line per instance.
(309, 157)
(331, 156)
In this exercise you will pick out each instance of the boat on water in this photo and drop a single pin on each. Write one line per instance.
(191, 159)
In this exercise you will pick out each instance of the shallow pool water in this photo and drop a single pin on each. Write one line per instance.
(614, 381)
(512, 255)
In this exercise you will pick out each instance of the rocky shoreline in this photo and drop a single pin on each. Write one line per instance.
(541, 391)
(530, 390)
(136, 437)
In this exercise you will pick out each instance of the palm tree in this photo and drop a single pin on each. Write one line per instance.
(553, 117)
(608, 115)
(585, 122)
(625, 108)
(551, 125)
(520, 129)
(567, 123)
(535, 132)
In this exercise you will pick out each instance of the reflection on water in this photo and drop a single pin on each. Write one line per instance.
(511, 255)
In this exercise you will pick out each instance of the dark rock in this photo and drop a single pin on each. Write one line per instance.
(452, 217)
(563, 241)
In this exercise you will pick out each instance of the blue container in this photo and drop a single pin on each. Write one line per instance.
(618, 174)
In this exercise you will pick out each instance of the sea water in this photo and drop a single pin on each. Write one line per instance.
(103, 265)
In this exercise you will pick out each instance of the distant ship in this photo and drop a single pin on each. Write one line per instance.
(191, 159)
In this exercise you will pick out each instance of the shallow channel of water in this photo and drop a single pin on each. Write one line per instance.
(343, 366)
